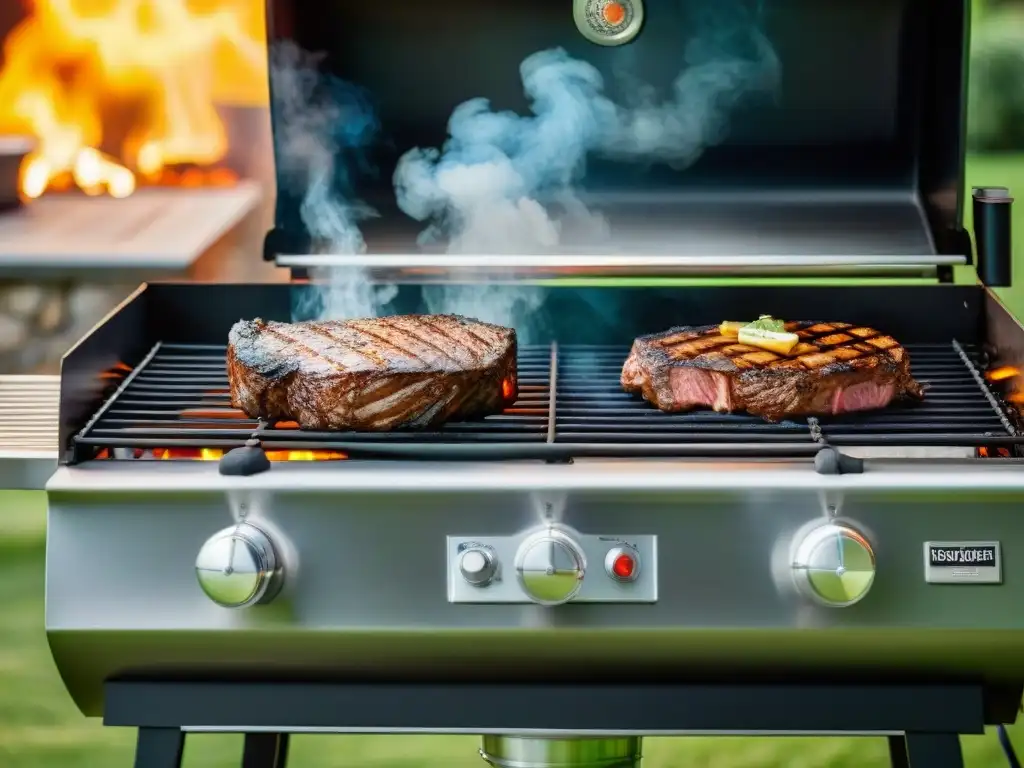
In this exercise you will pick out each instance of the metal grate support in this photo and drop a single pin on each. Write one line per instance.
(571, 405)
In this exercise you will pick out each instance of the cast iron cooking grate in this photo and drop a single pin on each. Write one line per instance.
(177, 398)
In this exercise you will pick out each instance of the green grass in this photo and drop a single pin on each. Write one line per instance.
(41, 728)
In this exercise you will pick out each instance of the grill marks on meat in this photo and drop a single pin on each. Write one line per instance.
(372, 375)
(835, 368)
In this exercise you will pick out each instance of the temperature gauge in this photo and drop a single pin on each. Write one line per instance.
(608, 22)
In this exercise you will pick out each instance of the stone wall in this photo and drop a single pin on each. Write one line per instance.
(40, 321)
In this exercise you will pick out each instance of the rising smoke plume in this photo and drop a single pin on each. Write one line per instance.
(323, 129)
(485, 190)
(494, 184)
(504, 182)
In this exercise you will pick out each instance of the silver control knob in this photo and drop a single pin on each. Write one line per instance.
(478, 565)
(834, 565)
(550, 567)
(238, 567)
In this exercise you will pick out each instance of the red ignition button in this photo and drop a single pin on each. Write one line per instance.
(623, 566)
(622, 563)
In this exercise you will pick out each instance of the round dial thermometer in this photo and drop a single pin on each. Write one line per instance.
(608, 22)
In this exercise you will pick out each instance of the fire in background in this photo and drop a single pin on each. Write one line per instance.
(115, 92)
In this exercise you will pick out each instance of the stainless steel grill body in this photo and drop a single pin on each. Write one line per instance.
(365, 574)
(714, 504)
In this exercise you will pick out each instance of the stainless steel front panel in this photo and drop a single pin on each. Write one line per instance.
(364, 548)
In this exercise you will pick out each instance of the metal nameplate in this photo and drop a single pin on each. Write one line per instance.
(963, 562)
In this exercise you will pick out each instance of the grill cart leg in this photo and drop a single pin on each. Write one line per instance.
(159, 748)
(926, 750)
(265, 750)
(898, 752)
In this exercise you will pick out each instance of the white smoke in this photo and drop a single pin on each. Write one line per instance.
(485, 191)
(514, 306)
(321, 125)
(493, 185)
(504, 183)
(676, 131)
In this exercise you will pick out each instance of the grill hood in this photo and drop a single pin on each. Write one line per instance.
(840, 125)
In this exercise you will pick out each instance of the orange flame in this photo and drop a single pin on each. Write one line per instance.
(1002, 373)
(999, 453)
(171, 61)
(1006, 373)
(116, 372)
(214, 454)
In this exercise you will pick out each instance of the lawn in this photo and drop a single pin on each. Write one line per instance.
(40, 727)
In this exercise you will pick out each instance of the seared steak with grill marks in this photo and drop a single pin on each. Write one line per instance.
(835, 368)
(372, 375)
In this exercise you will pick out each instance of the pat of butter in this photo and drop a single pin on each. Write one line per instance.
(779, 343)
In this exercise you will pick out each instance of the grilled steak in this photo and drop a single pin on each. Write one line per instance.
(835, 368)
(372, 375)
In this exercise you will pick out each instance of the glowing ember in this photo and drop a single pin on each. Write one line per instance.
(305, 455)
(994, 453)
(1002, 373)
(169, 61)
(507, 388)
(117, 372)
(214, 454)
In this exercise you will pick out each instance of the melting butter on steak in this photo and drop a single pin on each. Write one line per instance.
(372, 375)
(835, 368)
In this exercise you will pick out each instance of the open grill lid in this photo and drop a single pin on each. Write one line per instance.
(826, 135)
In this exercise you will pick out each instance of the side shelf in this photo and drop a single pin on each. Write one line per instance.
(29, 418)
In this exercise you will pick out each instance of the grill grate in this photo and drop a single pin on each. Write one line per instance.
(178, 398)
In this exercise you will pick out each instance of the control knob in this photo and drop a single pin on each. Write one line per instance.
(478, 565)
(238, 567)
(834, 565)
(550, 567)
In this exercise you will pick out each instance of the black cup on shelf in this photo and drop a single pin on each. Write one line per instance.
(992, 235)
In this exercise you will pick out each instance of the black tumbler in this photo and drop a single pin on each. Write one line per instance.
(992, 208)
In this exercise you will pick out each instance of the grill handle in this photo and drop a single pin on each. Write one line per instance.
(992, 207)
(460, 268)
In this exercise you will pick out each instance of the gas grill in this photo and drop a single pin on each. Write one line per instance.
(581, 570)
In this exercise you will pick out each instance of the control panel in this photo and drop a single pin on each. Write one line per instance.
(552, 565)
